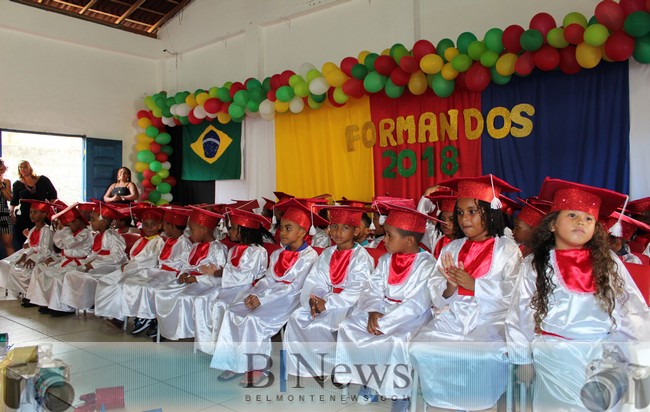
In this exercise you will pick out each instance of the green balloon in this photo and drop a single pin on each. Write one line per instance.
(223, 94)
(156, 180)
(461, 62)
(183, 120)
(397, 51)
(642, 49)
(155, 166)
(160, 101)
(313, 104)
(151, 131)
(339, 96)
(294, 80)
(574, 17)
(592, 20)
(374, 82)
(163, 187)
(213, 91)
(393, 91)
(318, 98)
(313, 74)
(285, 93)
(199, 91)
(464, 40)
(163, 138)
(164, 174)
(253, 106)
(170, 101)
(493, 40)
(167, 112)
(476, 49)
(442, 87)
(253, 83)
(241, 97)
(489, 58)
(443, 45)
(499, 79)
(531, 40)
(168, 150)
(236, 111)
(180, 97)
(154, 196)
(140, 176)
(359, 71)
(266, 84)
(258, 95)
(146, 156)
(555, 37)
(369, 62)
(301, 89)
(596, 35)
(637, 24)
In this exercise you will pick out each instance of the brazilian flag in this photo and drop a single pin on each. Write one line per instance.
(211, 151)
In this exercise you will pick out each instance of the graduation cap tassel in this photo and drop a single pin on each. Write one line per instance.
(382, 219)
(274, 220)
(312, 228)
(617, 228)
(100, 211)
(495, 203)
(372, 225)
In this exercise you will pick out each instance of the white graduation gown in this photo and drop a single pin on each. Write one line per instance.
(320, 239)
(47, 281)
(406, 307)
(312, 337)
(39, 248)
(107, 254)
(235, 281)
(138, 291)
(174, 301)
(249, 331)
(583, 329)
(460, 355)
(109, 293)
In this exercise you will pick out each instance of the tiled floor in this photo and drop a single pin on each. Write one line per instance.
(165, 375)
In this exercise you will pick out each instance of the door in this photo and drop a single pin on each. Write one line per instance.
(102, 158)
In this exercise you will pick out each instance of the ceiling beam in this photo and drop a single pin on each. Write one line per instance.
(127, 13)
(179, 6)
(88, 6)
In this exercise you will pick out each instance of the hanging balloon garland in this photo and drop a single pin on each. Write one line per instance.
(616, 32)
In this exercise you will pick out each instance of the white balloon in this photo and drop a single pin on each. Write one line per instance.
(168, 121)
(200, 112)
(183, 109)
(166, 165)
(296, 105)
(172, 109)
(167, 196)
(305, 68)
(267, 108)
(318, 86)
(210, 115)
(267, 116)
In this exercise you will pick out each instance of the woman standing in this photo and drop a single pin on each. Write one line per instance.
(124, 190)
(28, 186)
(6, 225)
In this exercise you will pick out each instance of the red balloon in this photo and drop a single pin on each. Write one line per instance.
(144, 195)
(574, 33)
(510, 38)
(409, 64)
(547, 58)
(630, 6)
(285, 76)
(148, 174)
(224, 107)
(271, 95)
(212, 105)
(146, 183)
(177, 122)
(171, 180)
(143, 114)
(276, 82)
(236, 86)
(421, 48)
(399, 77)
(161, 157)
(610, 14)
(193, 119)
(157, 122)
(354, 88)
(477, 77)
(543, 22)
(347, 64)
(154, 147)
(568, 61)
(619, 46)
(525, 64)
(384, 65)
(461, 81)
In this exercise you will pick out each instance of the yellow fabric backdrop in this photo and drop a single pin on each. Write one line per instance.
(312, 156)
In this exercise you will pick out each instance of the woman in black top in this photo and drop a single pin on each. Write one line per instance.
(28, 186)
(124, 190)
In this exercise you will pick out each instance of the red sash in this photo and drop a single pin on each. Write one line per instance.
(400, 267)
(198, 253)
(34, 237)
(166, 251)
(237, 253)
(286, 260)
(138, 248)
(576, 269)
(477, 259)
(442, 242)
(339, 264)
(97, 242)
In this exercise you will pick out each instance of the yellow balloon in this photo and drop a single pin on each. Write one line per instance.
(450, 53)
(144, 123)
(141, 166)
(327, 67)
(431, 63)
(201, 98)
(417, 83)
(588, 56)
(386, 52)
(336, 77)
(143, 138)
(281, 107)
(190, 100)
(448, 72)
(142, 146)
(362, 56)
(223, 118)
(506, 64)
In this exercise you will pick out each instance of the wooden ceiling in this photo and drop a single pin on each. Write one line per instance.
(143, 17)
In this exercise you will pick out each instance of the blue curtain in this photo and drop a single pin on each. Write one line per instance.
(580, 129)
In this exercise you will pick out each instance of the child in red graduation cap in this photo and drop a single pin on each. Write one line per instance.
(619, 244)
(75, 241)
(474, 277)
(108, 252)
(332, 287)
(249, 324)
(16, 270)
(573, 301)
(175, 301)
(394, 304)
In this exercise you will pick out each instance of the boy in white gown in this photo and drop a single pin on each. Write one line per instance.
(75, 241)
(107, 254)
(249, 324)
(394, 304)
(174, 301)
(16, 270)
(247, 262)
(332, 287)
(143, 255)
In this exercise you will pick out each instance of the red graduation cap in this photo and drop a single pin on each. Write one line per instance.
(108, 211)
(310, 202)
(282, 196)
(508, 206)
(268, 204)
(248, 219)
(530, 214)
(204, 217)
(248, 205)
(300, 214)
(346, 215)
(147, 212)
(86, 206)
(407, 219)
(176, 215)
(486, 188)
(445, 203)
(639, 206)
(567, 195)
(69, 214)
(353, 203)
(628, 225)
(46, 207)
